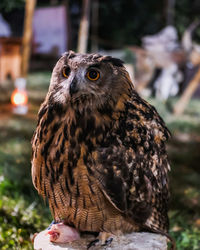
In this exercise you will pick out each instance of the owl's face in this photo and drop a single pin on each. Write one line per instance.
(87, 79)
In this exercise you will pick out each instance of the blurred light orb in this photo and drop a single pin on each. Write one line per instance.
(19, 97)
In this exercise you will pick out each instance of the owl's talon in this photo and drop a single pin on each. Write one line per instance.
(108, 242)
(93, 243)
(52, 223)
(104, 239)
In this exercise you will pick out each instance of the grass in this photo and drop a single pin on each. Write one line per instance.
(38, 81)
(23, 213)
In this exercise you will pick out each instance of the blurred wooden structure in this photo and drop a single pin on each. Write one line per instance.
(27, 36)
(10, 58)
(84, 27)
(187, 94)
(192, 52)
(15, 52)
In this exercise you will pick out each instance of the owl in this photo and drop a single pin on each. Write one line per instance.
(98, 153)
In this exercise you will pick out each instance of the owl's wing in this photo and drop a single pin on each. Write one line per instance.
(37, 159)
(132, 167)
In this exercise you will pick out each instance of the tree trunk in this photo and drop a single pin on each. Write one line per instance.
(84, 27)
(170, 12)
(27, 35)
(68, 24)
(95, 19)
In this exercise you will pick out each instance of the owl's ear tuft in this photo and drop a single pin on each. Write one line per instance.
(70, 54)
(115, 61)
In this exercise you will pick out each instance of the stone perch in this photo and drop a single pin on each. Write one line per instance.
(133, 241)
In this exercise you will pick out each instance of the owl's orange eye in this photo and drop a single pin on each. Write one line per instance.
(66, 71)
(93, 75)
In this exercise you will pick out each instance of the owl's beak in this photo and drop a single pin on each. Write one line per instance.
(73, 88)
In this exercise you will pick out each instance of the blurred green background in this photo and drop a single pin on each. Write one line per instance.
(121, 24)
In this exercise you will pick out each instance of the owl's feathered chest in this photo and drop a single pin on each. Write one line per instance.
(72, 134)
(120, 150)
(64, 138)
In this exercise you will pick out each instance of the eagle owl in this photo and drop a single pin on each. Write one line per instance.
(99, 154)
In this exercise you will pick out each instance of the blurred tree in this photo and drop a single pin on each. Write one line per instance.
(170, 12)
(13, 13)
(84, 26)
(68, 24)
(186, 12)
(94, 25)
(8, 6)
(125, 22)
(27, 36)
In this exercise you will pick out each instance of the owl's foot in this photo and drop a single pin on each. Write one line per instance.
(61, 233)
(104, 239)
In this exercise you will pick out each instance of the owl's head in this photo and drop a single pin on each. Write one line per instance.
(88, 79)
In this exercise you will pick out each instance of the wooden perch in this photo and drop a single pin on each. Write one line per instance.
(133, 241)
(187, 94)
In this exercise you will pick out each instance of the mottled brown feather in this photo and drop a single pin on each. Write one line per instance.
(100, 158)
